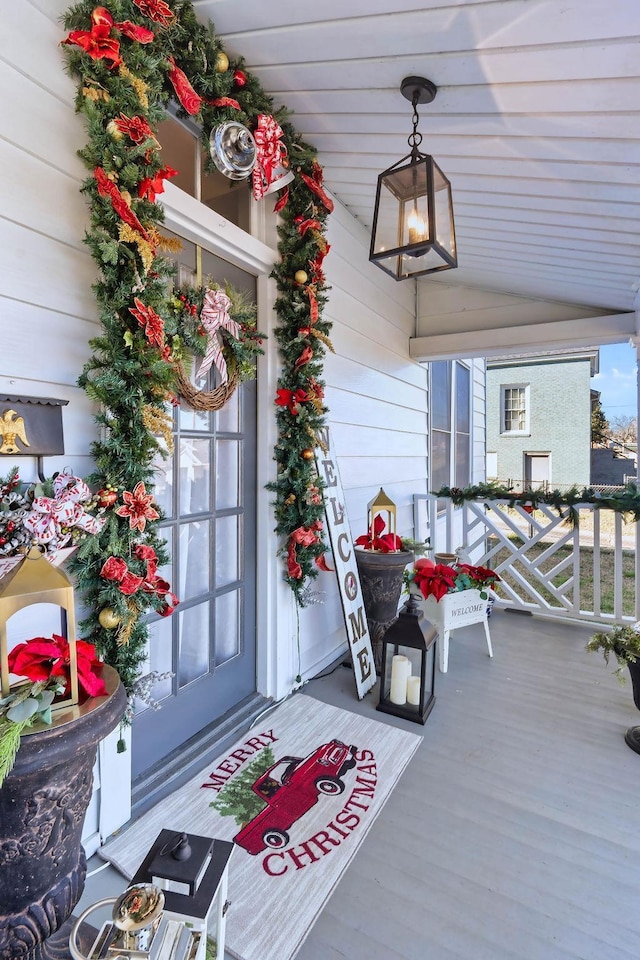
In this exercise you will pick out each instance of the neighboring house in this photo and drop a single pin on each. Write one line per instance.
(609, 467)
(539, 418)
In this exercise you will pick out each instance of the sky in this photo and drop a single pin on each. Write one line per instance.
(617, 381)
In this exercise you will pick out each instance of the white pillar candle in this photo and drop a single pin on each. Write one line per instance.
(413, 691)
(400, 667)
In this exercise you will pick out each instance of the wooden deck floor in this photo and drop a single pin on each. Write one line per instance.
(514, 833)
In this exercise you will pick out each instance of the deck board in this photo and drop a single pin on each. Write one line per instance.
(513, 834)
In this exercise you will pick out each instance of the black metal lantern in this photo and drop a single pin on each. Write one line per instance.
(413, 232)
(407, 678)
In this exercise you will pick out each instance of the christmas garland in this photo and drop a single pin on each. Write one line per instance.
(626, 502)
(129, 61)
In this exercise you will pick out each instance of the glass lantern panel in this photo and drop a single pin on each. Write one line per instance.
(403, 207)
(402, 663)
(445, 235)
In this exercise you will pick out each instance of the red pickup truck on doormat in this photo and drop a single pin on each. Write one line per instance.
(290, 788)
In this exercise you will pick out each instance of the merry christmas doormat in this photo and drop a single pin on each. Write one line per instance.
(298, 795)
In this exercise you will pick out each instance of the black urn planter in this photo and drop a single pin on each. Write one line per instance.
(381, 583)
(43, 802)
(632, 736)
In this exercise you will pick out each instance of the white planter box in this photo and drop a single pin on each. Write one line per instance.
(452, 611)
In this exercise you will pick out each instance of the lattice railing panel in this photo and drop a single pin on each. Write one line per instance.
(540, 556)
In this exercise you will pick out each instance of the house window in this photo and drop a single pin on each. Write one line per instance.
(181, 149)
(515, 408)
(450, 394)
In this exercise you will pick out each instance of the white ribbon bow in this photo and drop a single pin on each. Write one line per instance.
(49, 514)
(214, 316)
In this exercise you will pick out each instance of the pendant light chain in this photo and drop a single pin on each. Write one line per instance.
(415, 139)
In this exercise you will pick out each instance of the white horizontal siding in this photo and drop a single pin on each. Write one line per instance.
(377, 399)
(47, 308)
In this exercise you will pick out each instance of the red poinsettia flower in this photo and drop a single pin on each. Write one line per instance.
(157, 10)
(88, 663)
(34, 659)
(42, 658)
(152, 323)
(150, 186)
(136, 128)
(137, 507)
(434, 579)
(97, 42)
(384, 543)
(483, 576)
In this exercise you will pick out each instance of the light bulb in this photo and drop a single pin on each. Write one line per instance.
(416, 226)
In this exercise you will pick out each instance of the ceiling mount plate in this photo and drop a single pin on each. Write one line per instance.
(424, 89)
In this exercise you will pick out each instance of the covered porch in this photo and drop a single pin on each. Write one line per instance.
(513, 833)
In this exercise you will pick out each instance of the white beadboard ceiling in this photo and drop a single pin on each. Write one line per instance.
(536, 123)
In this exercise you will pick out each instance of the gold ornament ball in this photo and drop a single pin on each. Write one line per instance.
(222, 62)
(301, 276)
(307, 453)
(108, 618)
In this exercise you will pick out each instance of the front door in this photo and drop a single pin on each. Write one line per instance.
(537, 471)
(207, 492)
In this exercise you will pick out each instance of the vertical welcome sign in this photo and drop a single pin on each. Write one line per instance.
(346, 567)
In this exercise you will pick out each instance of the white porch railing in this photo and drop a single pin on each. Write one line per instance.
(540, 556)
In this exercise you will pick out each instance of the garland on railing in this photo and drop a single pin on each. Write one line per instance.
(626, 501)
(130, 60)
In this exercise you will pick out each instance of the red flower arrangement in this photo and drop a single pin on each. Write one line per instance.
(44, 658)
(382, 542)
(45, 662)
(439, 579)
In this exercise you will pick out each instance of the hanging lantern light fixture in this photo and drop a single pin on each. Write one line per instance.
(413, 232)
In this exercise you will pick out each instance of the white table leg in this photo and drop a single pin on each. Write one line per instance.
(444, 650)
(488, 635)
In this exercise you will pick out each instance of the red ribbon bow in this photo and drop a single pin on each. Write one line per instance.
(270, 153)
